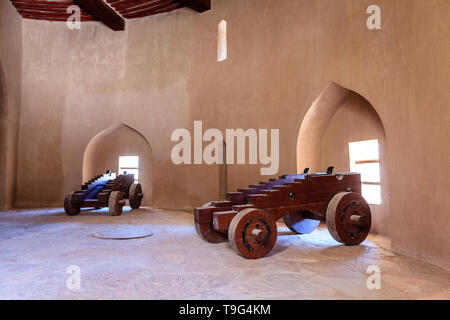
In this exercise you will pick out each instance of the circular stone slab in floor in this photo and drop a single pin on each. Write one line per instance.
(123, 233)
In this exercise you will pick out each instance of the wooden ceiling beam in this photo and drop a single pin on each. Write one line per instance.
(197, 5)
(104, 13)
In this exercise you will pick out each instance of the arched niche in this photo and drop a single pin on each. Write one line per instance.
(337, 117)
(103, 151)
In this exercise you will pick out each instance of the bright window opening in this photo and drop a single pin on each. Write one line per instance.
(222, 42)
(365, 159)
(130, 165)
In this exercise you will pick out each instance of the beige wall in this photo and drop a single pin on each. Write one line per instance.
(10, 99)
(104, 150)
(161, 74)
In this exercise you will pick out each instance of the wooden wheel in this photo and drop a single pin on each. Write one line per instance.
(71, 206)
(252, 233)
(115, 203)
(296, 223)
(135, 195)
(348, 218)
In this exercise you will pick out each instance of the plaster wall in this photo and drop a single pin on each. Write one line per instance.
(162, 74)
(10, 98)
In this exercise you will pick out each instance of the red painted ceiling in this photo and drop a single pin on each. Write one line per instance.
(56, 10)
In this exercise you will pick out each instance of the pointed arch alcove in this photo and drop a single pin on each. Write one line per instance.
(336, 118)
(103, 151)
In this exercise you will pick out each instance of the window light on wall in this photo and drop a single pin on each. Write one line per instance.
(365, 159)
(130, 164)
(222, 42)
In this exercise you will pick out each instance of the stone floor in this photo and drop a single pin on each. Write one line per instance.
(37, 247)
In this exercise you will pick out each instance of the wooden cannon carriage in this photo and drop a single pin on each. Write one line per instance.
(105, 190)
(248, 217)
